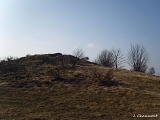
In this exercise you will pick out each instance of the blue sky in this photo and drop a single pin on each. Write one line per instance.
(49, 26)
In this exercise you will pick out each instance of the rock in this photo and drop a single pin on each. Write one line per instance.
(54, 55)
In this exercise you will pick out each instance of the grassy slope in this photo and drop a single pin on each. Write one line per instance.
(76, 96)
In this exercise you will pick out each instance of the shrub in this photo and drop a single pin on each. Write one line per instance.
(73, 61)
(151, 71)
(138, 58)
(105, 58)
(79, 53)
(100, 76)
(86, 58)
(64, 64)
(109, 74)
(10, 58)
(55, 72)
(58, 70)
(28, 55)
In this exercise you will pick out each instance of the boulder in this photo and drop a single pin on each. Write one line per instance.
(56, 54)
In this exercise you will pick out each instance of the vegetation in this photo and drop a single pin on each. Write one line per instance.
(59, 69)
(79, 53)
(138, 58)
(112, 58)
(101, 76)
(56, 86)
(118, 57)
(105, 58)
(151, 71)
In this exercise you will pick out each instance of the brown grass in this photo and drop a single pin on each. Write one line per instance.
(76, 97)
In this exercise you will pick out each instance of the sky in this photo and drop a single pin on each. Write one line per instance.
(51, 26)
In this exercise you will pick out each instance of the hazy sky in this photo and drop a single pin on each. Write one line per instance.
(49, 26)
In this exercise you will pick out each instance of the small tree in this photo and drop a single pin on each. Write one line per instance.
(118, 57)
(151, 71)
(138, 58)
(105, 58)
(79, 53)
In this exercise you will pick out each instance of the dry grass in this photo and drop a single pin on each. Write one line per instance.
(76, 97)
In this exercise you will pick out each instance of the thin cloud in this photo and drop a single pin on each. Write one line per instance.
(91, 45)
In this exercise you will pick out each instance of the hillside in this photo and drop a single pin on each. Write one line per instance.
(63, 87)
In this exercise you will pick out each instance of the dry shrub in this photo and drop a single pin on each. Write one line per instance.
(57, 71)
(109, 74)
(101, 76)
(73, 61)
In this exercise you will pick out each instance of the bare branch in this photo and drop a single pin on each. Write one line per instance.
(118, 57)
(138, 58)
(79, 53)
(105, 58)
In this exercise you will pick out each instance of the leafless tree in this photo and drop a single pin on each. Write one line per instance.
(105, 58)
(151, 71)
(138, 58)
(118, 57)
(79, 53)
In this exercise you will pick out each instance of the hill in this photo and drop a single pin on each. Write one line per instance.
(63, 87)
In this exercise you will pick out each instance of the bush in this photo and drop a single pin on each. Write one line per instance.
(73, 61)
(109, 74)
(138, 58)
(86, 58)
(105, 58)
(79, 53)
(151, 71)
(28, 55)
(58, 70)
(56, 73)
(10, 58)
(100, 76)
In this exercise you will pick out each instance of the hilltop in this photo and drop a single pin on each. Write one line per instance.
(56, 86)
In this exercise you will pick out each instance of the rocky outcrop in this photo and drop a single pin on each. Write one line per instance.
(56, 54)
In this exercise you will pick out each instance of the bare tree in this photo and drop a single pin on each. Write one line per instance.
(151, 71)
(138, 58)
(79, 53)
(105, 58)
(118, 57)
